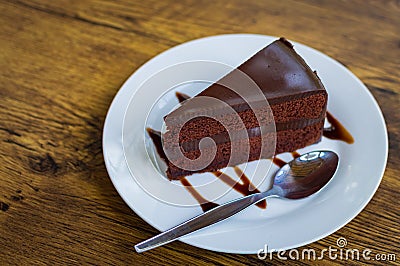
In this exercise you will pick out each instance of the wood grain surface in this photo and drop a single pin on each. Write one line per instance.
(63, 61)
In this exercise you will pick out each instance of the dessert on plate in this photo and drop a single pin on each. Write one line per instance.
(285, 113)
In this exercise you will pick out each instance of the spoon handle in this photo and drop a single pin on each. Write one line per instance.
(203, 220)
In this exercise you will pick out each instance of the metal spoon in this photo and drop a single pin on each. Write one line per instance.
(297, 179)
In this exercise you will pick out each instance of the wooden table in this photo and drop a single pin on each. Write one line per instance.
(63, 61)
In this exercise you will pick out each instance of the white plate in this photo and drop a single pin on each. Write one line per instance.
(284, 224)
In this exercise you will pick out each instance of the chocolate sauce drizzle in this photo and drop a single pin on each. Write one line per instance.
(245, 187)
(155, 136)
(204, 204)
(337, 130)
(278, 162)
(295, 154)
(181, 96)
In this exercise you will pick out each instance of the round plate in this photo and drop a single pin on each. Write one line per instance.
(284, 224)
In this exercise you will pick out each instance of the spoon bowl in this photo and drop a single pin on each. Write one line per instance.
(305, 175)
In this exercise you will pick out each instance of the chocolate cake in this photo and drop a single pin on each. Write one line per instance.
(287, 115)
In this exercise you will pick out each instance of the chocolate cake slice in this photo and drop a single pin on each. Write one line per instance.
(288, 114)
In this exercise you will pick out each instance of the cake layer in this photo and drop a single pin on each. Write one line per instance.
(286, 141)
(223, 137)
(291, 114)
